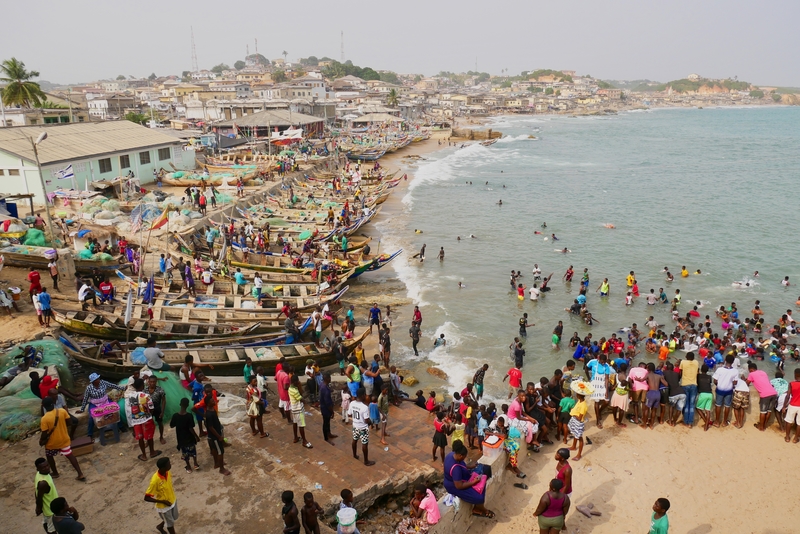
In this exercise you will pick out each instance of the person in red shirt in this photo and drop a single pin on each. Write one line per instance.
(107, 290)
(283, 379)
(35, 279)
(514, 376)
(417, 318)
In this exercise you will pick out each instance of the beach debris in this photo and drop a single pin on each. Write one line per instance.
(438, 373)
(410, 381)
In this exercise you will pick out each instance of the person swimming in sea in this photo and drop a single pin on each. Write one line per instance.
(666, 269)
(698, 272)
(553, 237)
(500, 203)
(755, 274)
(417, 231)
(544, 225)
(565, 250)
(670, 278)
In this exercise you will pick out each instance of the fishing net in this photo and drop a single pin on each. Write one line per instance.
(34, 238)
(222, 198)
(111, 205)
(19, 407)
(173, 390)
(178, 174)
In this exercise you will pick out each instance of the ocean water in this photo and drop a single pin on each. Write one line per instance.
(712, 189)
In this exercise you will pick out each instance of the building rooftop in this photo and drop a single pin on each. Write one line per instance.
(274, 117)
(80, 140)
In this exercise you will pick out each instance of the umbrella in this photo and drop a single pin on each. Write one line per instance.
(581, 388)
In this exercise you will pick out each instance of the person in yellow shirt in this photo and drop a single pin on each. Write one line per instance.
(629, 280)
(359, 353)
(577, 424)
(689, 369)
(684, 272)
(54, 423)
(161, 492)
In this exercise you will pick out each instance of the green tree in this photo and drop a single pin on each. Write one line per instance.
(776, 97)
(20, 89)
(604, 85)
(138, 118)
(549, 91)
(506, 84)
(417, 78)
(121, 77)
(279, 76)
(185, 76)
(239, 65)
(217, 69)
(152, 76)
(392, 99)
(369, 74)
(258, 58)
(389, 77)
(311, 61)
(756, 93)
(285, 55)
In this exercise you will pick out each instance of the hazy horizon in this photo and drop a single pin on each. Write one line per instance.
(87, 40)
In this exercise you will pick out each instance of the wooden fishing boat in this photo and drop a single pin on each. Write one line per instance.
(99, 325)
(488, 142)
(227, 361)
(36, 257)
(360, 268)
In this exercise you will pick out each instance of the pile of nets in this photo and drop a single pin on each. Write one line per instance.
(20, 409)
(86, 254)
(34, 238)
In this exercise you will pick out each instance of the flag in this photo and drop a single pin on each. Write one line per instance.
(136, 219)
(129, 307)
(161, 220)
(66, 173)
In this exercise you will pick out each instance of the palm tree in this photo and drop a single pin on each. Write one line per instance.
(47, 104)
(392, 98)
(20, 90)
(285, 54)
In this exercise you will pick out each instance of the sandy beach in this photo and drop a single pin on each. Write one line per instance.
(705, 475)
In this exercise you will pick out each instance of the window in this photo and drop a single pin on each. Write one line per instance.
(13, 172)
(124, 162)
(144, 158)
(105, 165)
(163, 153)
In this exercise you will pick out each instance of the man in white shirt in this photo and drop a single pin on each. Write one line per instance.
(725, 378)
(84, 294)
(359, 411)
(316, 317)
(537, 272)
(534, 292)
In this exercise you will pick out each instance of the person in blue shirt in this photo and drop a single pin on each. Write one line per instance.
(44, 302)
(374, 316)
(211, 234)
(581, 299)
(598, 371)
(239, 277)
(162, 265)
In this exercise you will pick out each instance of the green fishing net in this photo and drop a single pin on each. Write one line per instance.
(34, 237)
(19, 407)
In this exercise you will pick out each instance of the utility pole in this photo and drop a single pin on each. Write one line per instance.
(195, 68)
(34, 145)
(69, 99)
(342, 46)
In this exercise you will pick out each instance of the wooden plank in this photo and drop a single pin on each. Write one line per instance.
(211, 330)
(212, 316)
(168, 327)
(237, 302)
(71, 315)
(301, 350)
(90, 317)
(195, 356)
(136, 312)
(180, 345)
(250, 353)
(186, 312)
(193, 329)
(232, 356)
(303, 291)
(210, 289)
(139, 325)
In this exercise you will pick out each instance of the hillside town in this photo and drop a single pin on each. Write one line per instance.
(322, 88)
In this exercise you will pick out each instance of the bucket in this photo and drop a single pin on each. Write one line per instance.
(347, 520)
(15, 293)
(492, 448)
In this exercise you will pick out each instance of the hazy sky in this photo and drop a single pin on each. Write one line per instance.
(84, 40)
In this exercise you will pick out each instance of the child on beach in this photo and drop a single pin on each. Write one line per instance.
(483, 423)
(458, 428)
(374, 412)
(345, 404)
(564, 408)
(442, 428)
(577, 424)
(471, 426)
(309, 514)
(289, 513)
